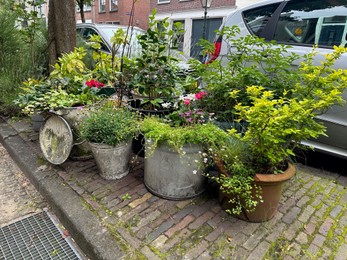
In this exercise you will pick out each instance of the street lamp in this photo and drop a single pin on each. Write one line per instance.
(205, 4)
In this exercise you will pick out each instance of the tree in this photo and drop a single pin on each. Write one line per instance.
(80, 4)
(61, 28)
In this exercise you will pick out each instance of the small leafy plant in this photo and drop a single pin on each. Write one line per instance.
(156, 72)
(110, 125)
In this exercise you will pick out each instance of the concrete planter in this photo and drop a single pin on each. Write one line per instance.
(112, 161)
(172, 176)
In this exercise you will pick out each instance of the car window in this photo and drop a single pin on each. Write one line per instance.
(88, 32)
(256, 19)
(308, 22)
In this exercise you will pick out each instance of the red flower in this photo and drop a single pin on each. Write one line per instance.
(200, 95)
(94, 84)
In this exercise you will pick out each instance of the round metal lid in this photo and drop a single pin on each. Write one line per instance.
(56, 140)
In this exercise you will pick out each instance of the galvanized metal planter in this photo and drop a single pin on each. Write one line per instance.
(173, 176)
(112, 161)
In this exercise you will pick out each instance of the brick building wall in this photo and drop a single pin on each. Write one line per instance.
(179, 5)
(121, 15)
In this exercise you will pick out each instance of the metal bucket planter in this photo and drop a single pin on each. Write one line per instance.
(37, 121)
(74, 116)
(112, 161)
(172, 176)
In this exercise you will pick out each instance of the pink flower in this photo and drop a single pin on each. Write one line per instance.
(186, 101)
(200, 95)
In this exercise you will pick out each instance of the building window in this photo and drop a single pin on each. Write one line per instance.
(113, 5)
(163, 1)
(102, 6)
(86, 8)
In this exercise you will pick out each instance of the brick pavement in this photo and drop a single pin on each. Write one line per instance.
(311, 222)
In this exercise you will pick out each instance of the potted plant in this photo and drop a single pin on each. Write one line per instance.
(109, 131)
(249, 61)
(156, 83)
(275, 126)
(30, 101)
(174, 149)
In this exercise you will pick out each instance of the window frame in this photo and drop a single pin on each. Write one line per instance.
(159, 2)
(102, 3)
(113, 2)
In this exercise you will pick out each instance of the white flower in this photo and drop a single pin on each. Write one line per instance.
(205, 160)
(196, 161)
(195, 171)
(166, 105)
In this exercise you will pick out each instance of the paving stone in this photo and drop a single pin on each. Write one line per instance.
(291, 215)
(306, 214)
(196, 251)
(133, 241)
(146, 219)
(326, 226)
(160, 241)
(260, 251)
(310, 228)
(276, 232)
(183, 203)
(218, 231)
(322, 211)
(335, 211)
(326, 253)
(254, 239)
(292, 229)
(139, 201)
(214, 222)
(319, 240)
(149, 253)
(295, 250)
(289, 203)
(161, 229)
(201, 220)
(302, 238)
(313, 250)
(178, 238)
(303, 201)
(341, 252)
(143, 233)
(179, 226)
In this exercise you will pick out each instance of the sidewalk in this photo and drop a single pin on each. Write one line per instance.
(121, 219)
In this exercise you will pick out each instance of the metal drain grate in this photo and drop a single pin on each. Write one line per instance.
(35, 237)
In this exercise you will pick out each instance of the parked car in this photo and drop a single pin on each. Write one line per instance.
(106, 31)
(300, 24)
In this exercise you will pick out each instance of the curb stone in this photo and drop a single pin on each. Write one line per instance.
(92, 237)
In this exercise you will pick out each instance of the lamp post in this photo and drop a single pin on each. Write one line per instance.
(205, 4)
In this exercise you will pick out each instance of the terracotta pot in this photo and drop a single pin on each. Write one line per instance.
(271, 192)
